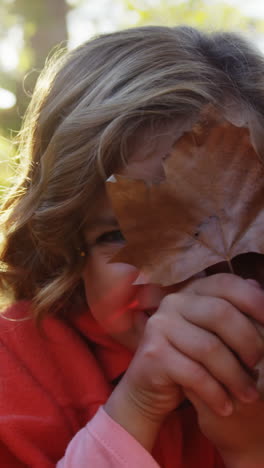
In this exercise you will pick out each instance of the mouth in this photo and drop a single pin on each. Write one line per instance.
(248, 265)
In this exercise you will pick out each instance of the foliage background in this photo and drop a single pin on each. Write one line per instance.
(31, 29)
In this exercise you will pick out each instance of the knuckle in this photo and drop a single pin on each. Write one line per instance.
(225, 280)
(150, 350)
(152, 359)
(154, 341)
(172, 302)
(211, 346)
(169, 301)
(154, 324)
(222, 309)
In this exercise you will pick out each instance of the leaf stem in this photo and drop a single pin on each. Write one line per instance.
(229, 262)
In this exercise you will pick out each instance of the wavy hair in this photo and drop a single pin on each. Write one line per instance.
(86, 105)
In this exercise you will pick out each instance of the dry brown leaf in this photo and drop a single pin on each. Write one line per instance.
(209, 208)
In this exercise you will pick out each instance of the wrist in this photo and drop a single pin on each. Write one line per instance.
(123, 409)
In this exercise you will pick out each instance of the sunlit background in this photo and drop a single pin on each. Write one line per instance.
(30, 29)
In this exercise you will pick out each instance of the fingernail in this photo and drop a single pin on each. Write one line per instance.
(227, 409)
(249, 395)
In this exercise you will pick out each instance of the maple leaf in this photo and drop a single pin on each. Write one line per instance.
(209, 208)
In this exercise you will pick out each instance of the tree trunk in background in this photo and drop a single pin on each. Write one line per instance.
(51, 28)
(45, 26)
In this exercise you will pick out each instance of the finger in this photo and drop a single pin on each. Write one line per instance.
(199, 404)
(219, 316)
(193, 376)
(204, 412)
(244, 295)
(208, 350)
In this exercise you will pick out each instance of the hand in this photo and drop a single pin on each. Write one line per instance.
(201, 338)
(239, 438)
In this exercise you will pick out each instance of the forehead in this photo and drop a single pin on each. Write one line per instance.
(147, 150)
(150, 146)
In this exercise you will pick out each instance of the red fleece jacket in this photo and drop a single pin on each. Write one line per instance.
(54, 381)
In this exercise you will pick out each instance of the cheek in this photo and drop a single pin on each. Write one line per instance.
(108, 286)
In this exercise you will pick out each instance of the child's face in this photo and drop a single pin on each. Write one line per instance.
(120, 307)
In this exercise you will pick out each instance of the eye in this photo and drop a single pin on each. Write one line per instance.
(110, 237)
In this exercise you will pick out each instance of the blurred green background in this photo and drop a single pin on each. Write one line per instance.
(30, 30)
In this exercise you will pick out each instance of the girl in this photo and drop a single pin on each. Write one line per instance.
(97, 371)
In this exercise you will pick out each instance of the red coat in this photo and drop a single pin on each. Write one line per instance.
(54, 380)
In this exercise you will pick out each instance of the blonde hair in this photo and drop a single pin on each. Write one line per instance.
(86, 105)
